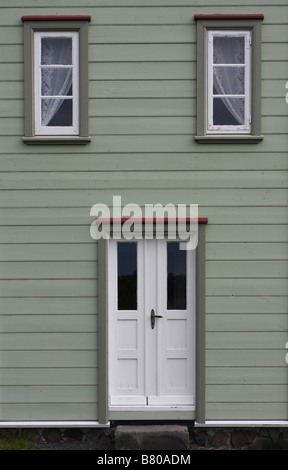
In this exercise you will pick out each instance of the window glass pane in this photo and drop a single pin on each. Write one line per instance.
(127, 276)
(228, 50)
(56, 50)
(228, 80)
(56, 112)
(176, 277)
(56, 82)
(228, 111)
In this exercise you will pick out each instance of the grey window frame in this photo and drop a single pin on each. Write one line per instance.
(50, 24)
(103, 407)
(251, 23)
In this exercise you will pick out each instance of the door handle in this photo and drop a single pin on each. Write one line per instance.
(152, 318)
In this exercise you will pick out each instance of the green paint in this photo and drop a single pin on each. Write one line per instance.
(142, 122)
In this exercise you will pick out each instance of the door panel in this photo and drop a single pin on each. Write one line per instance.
(126, 324)
(151, 362)
(175, 335)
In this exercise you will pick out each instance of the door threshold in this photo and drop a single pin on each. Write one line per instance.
(152, 408)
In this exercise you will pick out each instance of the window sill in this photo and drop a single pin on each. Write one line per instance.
(226, 139)
(60, 140)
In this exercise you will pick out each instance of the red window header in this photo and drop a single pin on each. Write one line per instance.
(201, 220)
(57, 18)
(229, 17)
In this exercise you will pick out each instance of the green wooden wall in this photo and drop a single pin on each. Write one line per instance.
(142, 105)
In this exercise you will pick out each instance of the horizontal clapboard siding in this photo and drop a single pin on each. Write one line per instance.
(142, 118)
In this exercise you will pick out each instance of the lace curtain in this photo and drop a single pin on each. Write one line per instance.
(229, 80)
(55, 81)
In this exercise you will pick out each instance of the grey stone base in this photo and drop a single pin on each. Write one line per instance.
(158, 437)
(154, 437)
(238, 438)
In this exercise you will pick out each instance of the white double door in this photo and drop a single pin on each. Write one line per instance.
(151, 324)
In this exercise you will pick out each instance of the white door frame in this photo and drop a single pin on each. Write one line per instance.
(150, 377)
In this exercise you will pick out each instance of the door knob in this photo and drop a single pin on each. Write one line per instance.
(152, 318)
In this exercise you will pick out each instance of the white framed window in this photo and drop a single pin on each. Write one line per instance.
(228, 78)
(56, 79)
(229, 82)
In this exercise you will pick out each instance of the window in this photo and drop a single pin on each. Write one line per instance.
(229, 84)
(228, 78)
(127, 276)
(56, 79)
(56, 83)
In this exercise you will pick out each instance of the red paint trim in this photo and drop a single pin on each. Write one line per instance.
(56, 18)
(201, 220)
(229, 17)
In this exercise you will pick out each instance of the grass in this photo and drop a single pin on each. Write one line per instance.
(280, 444)
(15, 441)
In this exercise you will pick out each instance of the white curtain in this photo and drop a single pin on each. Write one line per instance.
(229, 80)
(55, 81)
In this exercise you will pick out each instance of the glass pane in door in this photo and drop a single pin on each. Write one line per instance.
(127, 275)
(176, 277)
